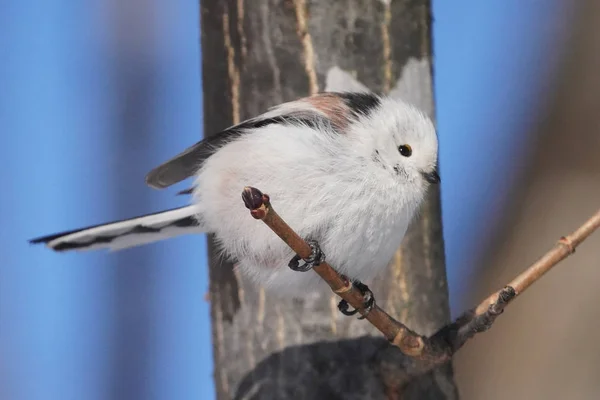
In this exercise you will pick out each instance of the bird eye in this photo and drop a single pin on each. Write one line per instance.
(405, 150)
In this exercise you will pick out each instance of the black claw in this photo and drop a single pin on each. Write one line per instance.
(368, 300)
(343, 307)
(316, 257)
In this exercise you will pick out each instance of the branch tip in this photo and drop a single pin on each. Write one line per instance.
(256, 202)
(253, 198)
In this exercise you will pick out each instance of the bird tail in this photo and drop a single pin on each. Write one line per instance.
(129, 232)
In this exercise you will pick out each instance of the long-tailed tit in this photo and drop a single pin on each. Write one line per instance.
(347, 170)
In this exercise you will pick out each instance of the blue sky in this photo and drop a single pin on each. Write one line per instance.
(69, 328)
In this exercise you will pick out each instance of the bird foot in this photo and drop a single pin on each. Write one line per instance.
(316, 257)
(368, 300)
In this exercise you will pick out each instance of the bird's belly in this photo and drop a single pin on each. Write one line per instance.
(364, 246)
(357, 232)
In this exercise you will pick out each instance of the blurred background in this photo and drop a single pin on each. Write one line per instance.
(95, 94)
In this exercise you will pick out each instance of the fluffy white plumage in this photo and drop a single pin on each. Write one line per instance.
(334, 172)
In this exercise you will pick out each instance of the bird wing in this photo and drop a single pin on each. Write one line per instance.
(187, 163)
(323, 109)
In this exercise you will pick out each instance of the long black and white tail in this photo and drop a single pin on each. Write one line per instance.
(127, 233)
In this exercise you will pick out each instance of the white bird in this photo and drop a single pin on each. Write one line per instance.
(347, 170)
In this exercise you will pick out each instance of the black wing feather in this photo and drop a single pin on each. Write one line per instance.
(187, 163)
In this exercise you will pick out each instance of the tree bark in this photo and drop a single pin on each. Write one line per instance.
(257, 54)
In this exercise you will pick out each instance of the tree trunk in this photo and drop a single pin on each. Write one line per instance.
(257, 54)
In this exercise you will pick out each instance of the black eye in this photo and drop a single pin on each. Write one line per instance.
(405, 150)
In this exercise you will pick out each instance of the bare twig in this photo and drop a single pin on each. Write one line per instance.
(441, 346)
(481, 318)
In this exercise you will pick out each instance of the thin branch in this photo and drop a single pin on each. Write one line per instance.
(441, 346)
(481, 318)
(260, 207)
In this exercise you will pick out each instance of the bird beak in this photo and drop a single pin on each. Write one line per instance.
(431, 177)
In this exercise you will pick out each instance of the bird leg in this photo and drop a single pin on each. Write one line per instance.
(317, 257)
